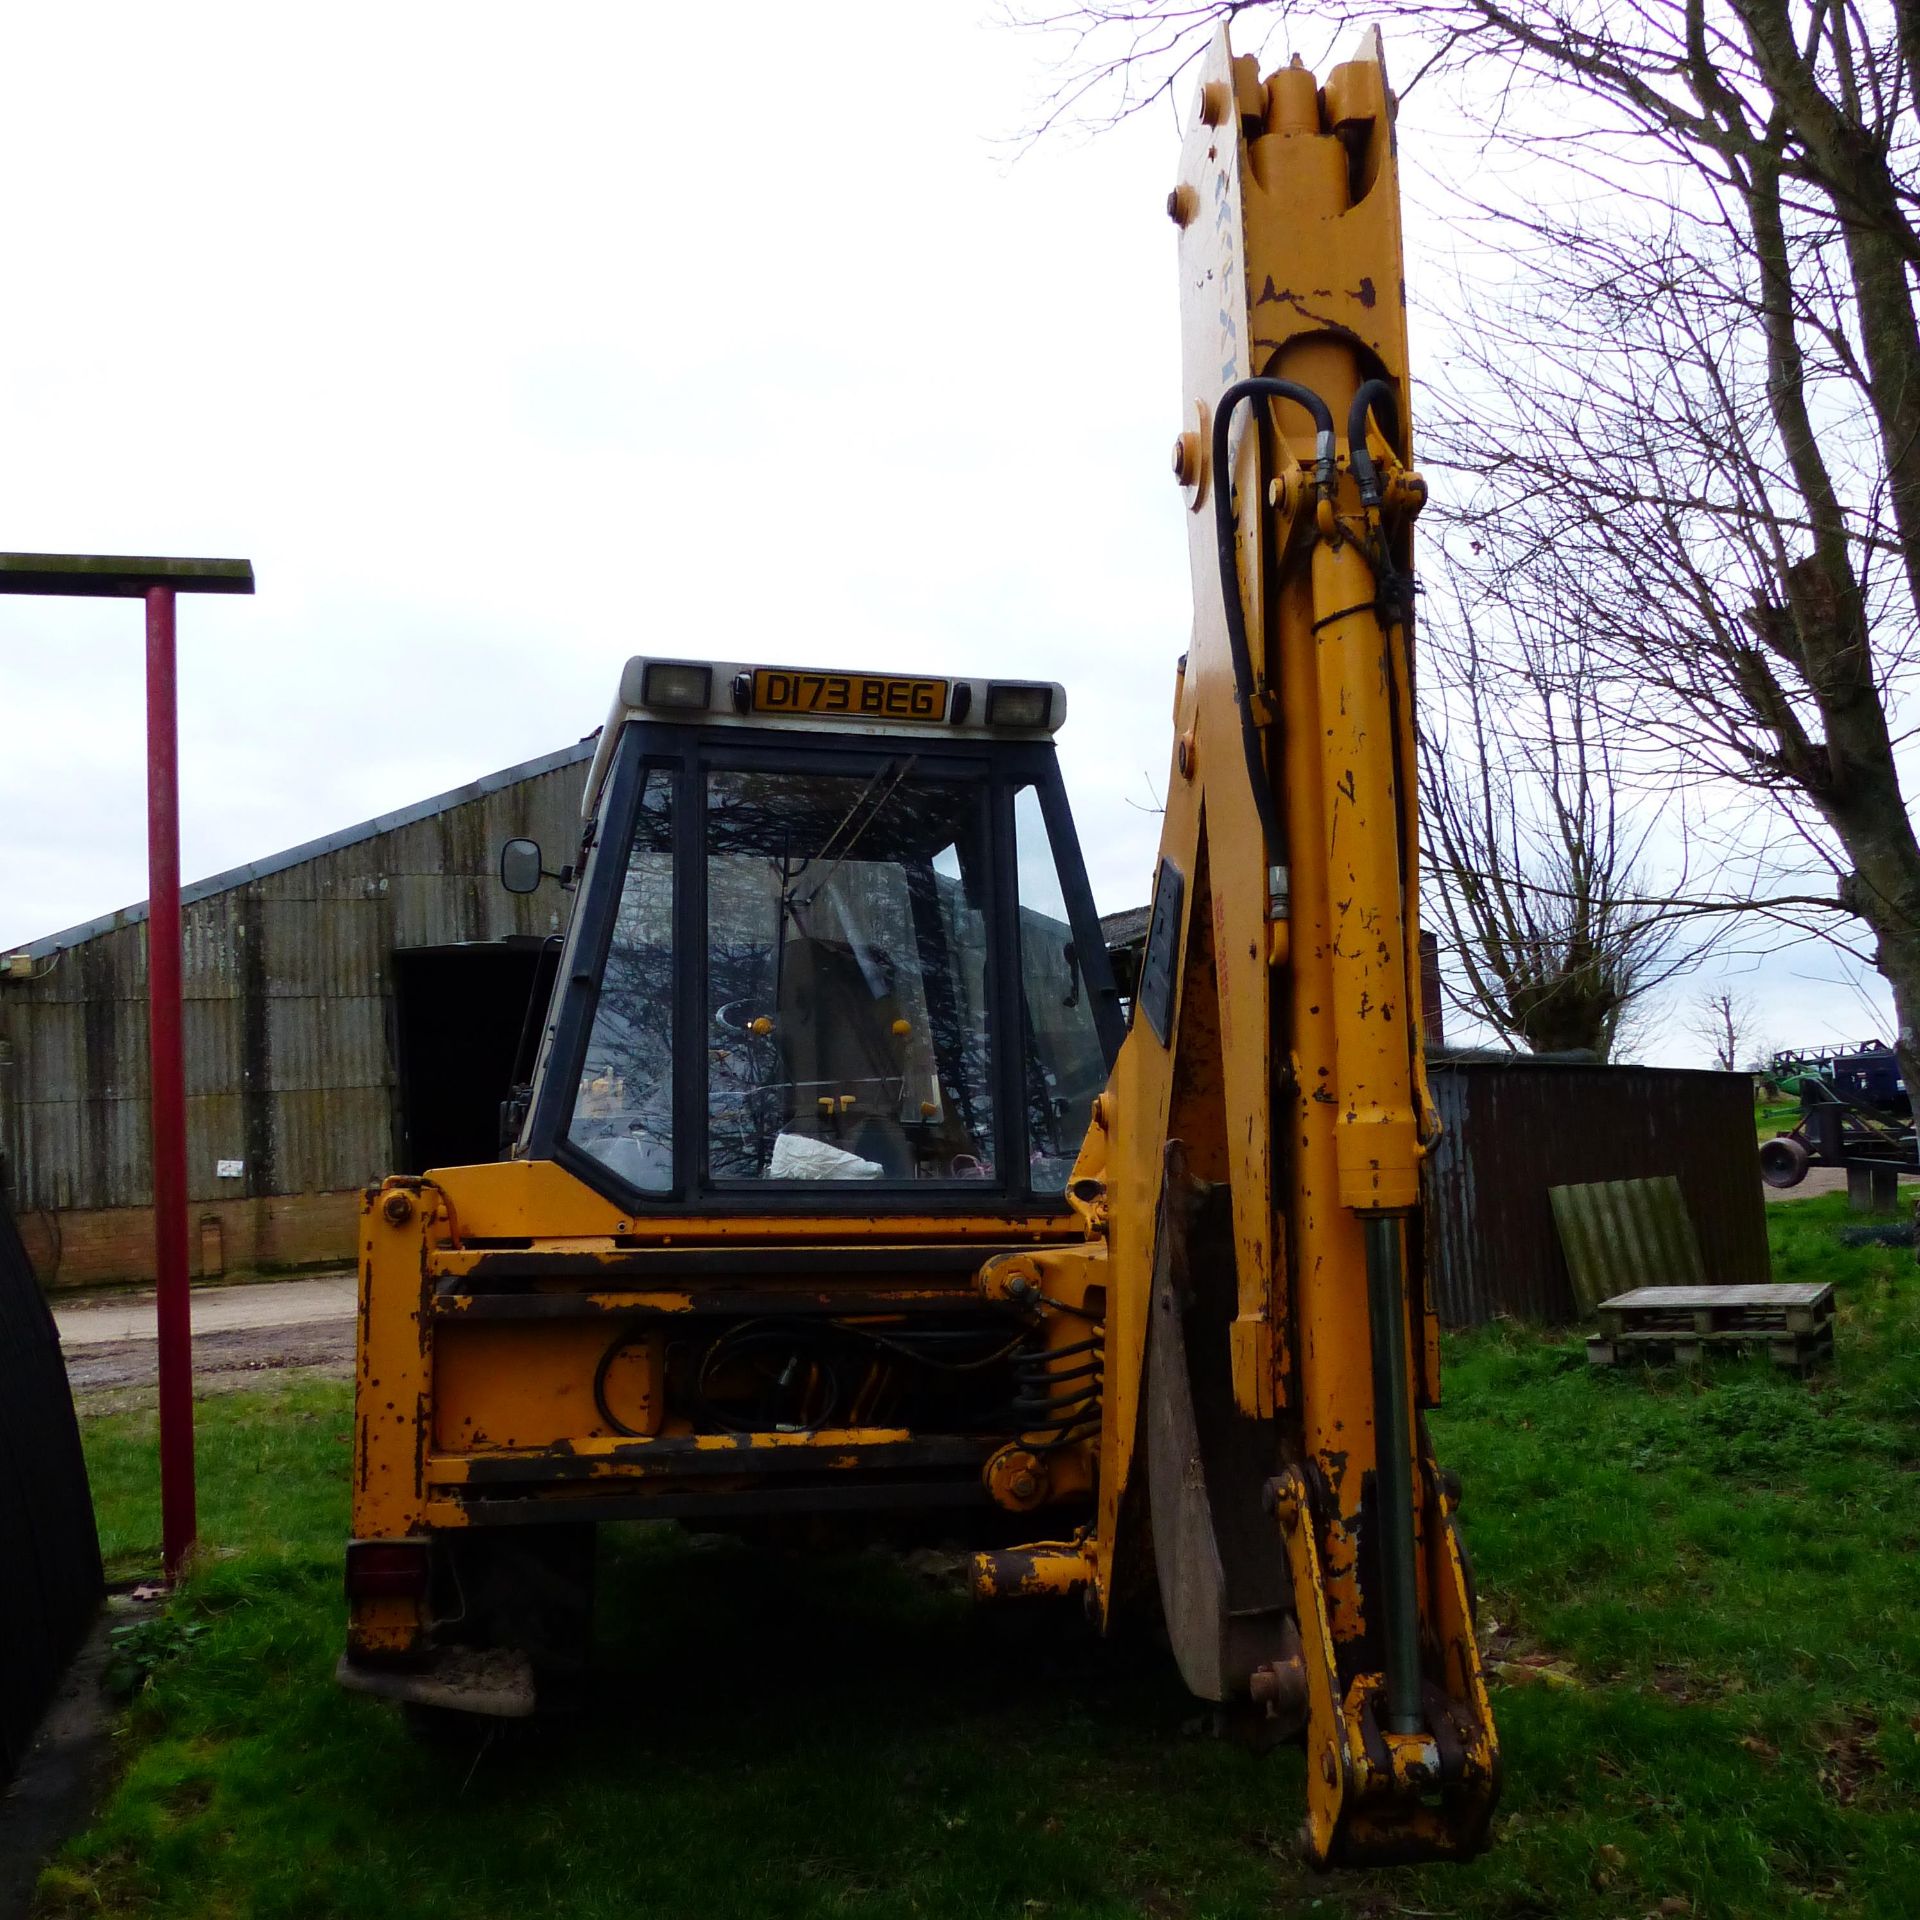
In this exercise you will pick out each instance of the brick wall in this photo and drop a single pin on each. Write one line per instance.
(274, 1233)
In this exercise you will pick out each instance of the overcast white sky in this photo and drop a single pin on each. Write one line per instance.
(507, 342)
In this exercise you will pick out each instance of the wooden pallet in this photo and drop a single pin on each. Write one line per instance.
(1679, 1324)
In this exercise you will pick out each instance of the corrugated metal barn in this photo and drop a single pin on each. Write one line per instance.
(353, 1007)
(1516, 1126)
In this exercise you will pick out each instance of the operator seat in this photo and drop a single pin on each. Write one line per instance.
(837, 1039)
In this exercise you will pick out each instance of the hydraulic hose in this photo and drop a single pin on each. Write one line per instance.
(1264, 802)
(1377, 398)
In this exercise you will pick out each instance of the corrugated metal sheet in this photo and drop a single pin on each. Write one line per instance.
(1515, 1129)
(265, 873)
(1617, 1235)
(288, 1003)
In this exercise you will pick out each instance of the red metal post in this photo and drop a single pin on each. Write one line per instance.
(156, 580)
(164, 1022)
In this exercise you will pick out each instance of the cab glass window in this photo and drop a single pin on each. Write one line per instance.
(623, 1111)
(1062, 1067)
(847, 977)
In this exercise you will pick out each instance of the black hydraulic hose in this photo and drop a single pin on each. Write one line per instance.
(1377, 398)
(626, 1337)
(1052, 1380)
(1394, 590)
(1224, 538)
(1058, 1402)
(1045, 1356)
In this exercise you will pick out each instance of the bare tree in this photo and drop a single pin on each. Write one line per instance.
(1695, 388)
(1725, 1020)
(1535, 850)
(1635, 465)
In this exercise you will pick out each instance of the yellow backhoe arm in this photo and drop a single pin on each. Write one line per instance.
(1254, 1171)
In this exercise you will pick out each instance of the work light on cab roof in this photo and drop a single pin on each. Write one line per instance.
(726, 690)
(735, 693)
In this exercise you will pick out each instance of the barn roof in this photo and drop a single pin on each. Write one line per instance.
(198, 890)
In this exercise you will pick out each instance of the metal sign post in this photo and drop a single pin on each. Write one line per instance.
(157, 582)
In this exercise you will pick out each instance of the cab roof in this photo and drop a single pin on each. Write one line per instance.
(734, 693)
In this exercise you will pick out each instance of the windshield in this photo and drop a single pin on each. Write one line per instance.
(787, 973)
(847, 977)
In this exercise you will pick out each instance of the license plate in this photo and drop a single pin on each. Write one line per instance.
(860, 696)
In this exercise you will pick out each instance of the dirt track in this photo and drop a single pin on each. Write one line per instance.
(240, 1333)
(222, 1362)
(1830, 1180)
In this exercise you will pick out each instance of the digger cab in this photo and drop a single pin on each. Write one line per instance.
(832, 950)
(829, 1023)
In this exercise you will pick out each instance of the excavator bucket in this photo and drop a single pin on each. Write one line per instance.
(1223, 1586)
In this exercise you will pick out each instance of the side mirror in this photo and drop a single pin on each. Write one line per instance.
(520, 870)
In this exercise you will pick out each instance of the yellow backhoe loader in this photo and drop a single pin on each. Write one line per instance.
(840, 1203)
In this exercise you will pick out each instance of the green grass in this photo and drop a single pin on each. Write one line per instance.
(1775, 1116)
(1699, 1592)
(1725, 1563)
(272, 1475)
